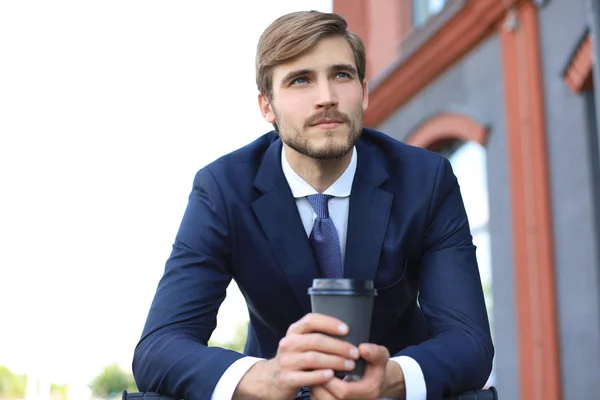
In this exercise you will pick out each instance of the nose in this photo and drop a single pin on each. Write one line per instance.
(326, 96)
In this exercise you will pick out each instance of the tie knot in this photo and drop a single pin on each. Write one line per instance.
(319, 204)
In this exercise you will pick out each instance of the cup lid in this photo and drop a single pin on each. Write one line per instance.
(345, 286)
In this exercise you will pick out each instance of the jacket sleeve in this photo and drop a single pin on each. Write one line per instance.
(458, 357)
(172, 356)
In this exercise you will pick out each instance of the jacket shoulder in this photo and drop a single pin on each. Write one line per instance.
(244, 159)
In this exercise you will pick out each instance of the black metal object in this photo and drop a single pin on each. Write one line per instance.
(304, 394)
(488, 394)
(144, 396)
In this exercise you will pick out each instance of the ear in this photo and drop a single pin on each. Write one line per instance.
(265, 108)
(365, 103)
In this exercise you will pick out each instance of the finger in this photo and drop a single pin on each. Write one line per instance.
(340, 389)
(366, 388)
(376, 358)
(296, 379)
(319, 323)
(376, 361)
(374, 354)
(320, 393)
(318, 342)
(313, 360)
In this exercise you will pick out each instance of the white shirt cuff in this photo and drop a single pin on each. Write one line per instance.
(414, 381)
(232, 377)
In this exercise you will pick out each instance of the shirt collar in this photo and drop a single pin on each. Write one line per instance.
(300, 188)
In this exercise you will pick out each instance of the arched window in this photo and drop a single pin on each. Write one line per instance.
(462, 141)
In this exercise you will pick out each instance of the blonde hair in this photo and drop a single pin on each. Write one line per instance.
(293, 34)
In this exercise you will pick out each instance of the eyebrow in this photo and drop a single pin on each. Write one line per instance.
(344, 67)
(305, 71)
(295, 74)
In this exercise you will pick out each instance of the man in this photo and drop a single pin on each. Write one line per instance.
(394, 214)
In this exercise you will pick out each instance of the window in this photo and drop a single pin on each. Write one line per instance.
(468, 160)
(425, 9)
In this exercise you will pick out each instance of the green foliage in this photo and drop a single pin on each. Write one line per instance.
(112, 381)
(12, 386)
(59, 391)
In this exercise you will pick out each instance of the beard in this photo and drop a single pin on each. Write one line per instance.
(296, 138)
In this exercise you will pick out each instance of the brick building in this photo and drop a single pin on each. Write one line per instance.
(504, 88)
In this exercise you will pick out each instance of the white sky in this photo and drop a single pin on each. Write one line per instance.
(107, 110)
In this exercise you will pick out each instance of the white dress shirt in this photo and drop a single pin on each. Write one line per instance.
(339, 206)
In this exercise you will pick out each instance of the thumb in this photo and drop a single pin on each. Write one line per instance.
(373, 353)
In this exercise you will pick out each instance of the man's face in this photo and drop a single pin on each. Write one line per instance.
(318, 101)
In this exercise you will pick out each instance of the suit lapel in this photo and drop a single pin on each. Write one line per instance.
(278, 216)
(368, 216)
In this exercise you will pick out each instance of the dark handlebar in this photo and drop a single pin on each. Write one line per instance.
(304, 394)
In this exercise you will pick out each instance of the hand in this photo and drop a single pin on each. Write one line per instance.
(306, 356)
(382, 378)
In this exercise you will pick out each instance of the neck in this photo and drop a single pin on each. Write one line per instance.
(320, 174)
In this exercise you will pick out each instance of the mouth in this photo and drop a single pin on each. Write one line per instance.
(328, 123)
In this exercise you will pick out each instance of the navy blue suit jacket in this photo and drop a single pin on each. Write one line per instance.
(407, 231)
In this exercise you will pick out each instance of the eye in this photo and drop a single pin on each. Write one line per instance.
(343, 75)
(299, 81)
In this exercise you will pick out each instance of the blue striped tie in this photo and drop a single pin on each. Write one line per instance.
(324, 238)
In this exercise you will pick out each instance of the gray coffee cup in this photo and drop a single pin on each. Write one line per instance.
(350, 301)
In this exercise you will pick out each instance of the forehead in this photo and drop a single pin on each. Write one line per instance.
(327, 52)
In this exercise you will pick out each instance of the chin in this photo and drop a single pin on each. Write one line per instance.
(331, 151)
(336, 135)
(330, 143)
